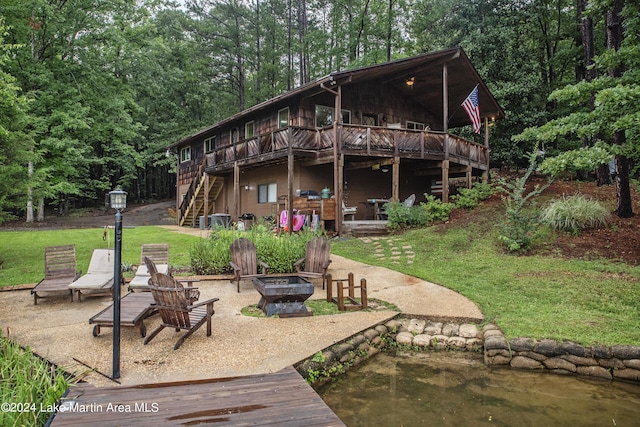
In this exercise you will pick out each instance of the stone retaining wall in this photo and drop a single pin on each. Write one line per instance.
(621, 362)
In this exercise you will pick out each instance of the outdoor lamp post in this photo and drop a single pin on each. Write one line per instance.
(118, 201)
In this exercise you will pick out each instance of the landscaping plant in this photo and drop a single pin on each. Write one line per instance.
(575, 213)
(279, 250)
(521, 224)
(29, 383)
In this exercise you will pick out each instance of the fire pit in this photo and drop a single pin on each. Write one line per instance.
(283, 295)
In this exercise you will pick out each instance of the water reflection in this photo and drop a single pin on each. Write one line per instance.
(452, 388)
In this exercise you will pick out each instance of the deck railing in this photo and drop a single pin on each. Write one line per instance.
(355, 140)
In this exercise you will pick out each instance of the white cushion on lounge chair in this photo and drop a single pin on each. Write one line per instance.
(93, 281)
(141, 279)
(100, 272)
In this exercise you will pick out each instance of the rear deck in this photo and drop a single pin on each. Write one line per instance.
(282, 398)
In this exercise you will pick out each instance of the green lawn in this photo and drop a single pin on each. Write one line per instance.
(587, 302)
(22, 252)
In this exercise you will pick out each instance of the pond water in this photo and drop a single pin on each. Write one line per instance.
(457, 389)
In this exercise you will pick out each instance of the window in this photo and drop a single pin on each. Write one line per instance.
(249, 130)
(415, 125)
(283, 118)
(185, 154)
(267, 193)
(209, 144)
(324, 116)
(369, 120)
(235, 135)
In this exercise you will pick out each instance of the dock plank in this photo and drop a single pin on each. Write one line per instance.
(282, 398)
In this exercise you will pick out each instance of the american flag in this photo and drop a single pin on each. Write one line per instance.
(472, 107)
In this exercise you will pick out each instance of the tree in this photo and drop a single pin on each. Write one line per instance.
(14, 140)
(615, 118)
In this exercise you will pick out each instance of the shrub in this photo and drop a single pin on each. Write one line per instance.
(575, 213)
(280, 252)
(521, 224)
(435, 209)
(469, 198)
(399, 215)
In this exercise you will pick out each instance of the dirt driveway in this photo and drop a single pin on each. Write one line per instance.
(157, 213)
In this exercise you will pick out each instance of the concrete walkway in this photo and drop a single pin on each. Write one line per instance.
(240, 345)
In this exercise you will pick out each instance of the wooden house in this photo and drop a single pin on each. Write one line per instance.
(358, 136)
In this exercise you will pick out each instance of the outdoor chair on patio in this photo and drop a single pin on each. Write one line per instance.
(316, 260)
(99, 278)
(158, 253)
(349, 210)
(178, 313)
(59, 271)
(244, 260)
(409, 201)
(165, 281)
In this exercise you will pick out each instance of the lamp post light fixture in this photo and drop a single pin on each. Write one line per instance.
(118, 201)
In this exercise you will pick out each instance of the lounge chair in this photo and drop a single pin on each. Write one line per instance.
(99, 278)
(178, 313)
(244, 260)
(59, 272)
(158, 253)
(316, 260)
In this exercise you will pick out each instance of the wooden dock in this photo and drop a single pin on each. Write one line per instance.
(282, 398)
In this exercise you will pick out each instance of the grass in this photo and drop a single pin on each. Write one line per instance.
(29, 383)
(320, 307)
(589, 302)
(22, 252)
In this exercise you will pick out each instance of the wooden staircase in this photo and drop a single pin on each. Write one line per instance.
(200, 198)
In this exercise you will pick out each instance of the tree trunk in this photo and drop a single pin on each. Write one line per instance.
(303, 54)
(30, 195)
(40, 217)
(585, 26)
(624, 209)
(615, 36)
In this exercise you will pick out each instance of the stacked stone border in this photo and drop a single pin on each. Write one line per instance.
(617, 362)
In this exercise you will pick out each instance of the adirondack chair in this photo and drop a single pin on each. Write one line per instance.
(159, 254)
(59, 271)
(99, 277)
(165, 281)
(316, 260)
(178, 313)
(244, 260)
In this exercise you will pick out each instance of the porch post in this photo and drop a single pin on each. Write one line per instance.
(178, 198)
(290, 183)
(206, 200)
(395, 179)
(445, 128)
(485, 173)
(337, 168)
(236, 190)
(445, 181)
